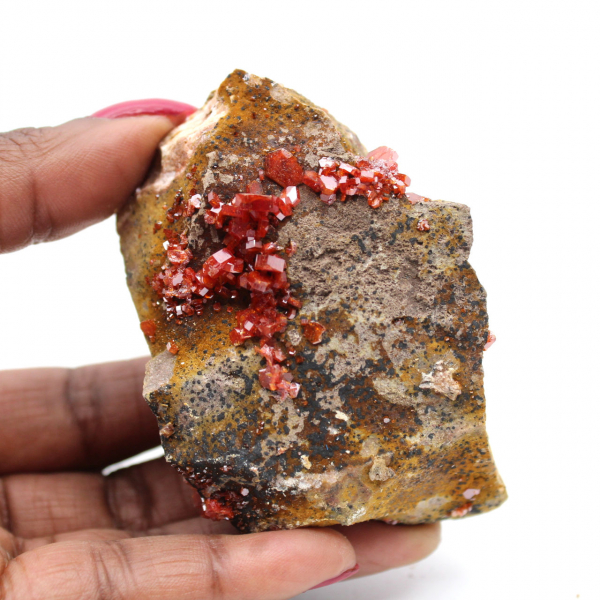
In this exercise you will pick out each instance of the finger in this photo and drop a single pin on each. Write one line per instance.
(269, 566)
(57, 180)
(87, 417)
(150, 495)
(45, 505)
(380, 546)
(9, 548)
(197, 526)
(138, 499)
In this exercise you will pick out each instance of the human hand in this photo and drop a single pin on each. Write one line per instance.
(68, 532)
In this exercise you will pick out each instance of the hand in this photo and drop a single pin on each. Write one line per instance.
(68, 532)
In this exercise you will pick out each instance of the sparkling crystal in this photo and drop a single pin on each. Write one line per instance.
(269, 263)
(329, 184)
(222, 255)
(311, 179)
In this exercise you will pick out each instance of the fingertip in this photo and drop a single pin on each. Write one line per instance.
(434, 533)
(269, 566)
(57, 180)
(380, 546)
(147, 106)
(421, 540)
(148, 129)
(318, 546)
(299, 559)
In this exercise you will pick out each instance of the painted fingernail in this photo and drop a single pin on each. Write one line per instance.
(339, 578)
(150, 106)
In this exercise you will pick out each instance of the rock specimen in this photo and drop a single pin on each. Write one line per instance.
(316, 333)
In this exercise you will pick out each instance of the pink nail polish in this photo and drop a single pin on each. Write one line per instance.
(339, 578)
(150, 106)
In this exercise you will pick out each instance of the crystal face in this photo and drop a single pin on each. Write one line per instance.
(149, 328)
(283, 167)
(313, 331)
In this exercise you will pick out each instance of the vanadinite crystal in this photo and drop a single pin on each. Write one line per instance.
(316, 331)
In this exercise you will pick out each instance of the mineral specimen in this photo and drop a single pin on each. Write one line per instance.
(316, 332)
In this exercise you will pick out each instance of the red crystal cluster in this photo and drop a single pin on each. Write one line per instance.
(248, 261)
(375, 177)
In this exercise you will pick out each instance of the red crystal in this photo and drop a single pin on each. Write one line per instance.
(149, 328)
(313, 331)
(414, 198)
(311, 179)
(255, 187)
(172, 347)
(276, 378)
(283, 167)
(215, 510)
(258, 282)
(385, 154)
(367, 176)
(423, 225)
(329, 184)
(490, 341)
(222, 256)
(194, 203)
(462, 511)
(348, 170)
(269, 263)
(222, 504)
(329, 199)
(289, 198)
(328, 165)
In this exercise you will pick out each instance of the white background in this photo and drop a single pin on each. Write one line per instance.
(493, 104)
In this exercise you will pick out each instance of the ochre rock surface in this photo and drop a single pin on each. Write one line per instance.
(390, 420)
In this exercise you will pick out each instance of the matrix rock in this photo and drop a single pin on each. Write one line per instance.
(316, 333)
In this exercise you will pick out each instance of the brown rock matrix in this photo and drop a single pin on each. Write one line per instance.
(386, 349)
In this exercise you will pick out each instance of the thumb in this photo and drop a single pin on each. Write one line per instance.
(57, 180)
(271, 566)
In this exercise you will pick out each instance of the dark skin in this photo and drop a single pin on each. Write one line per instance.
(67, 531)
